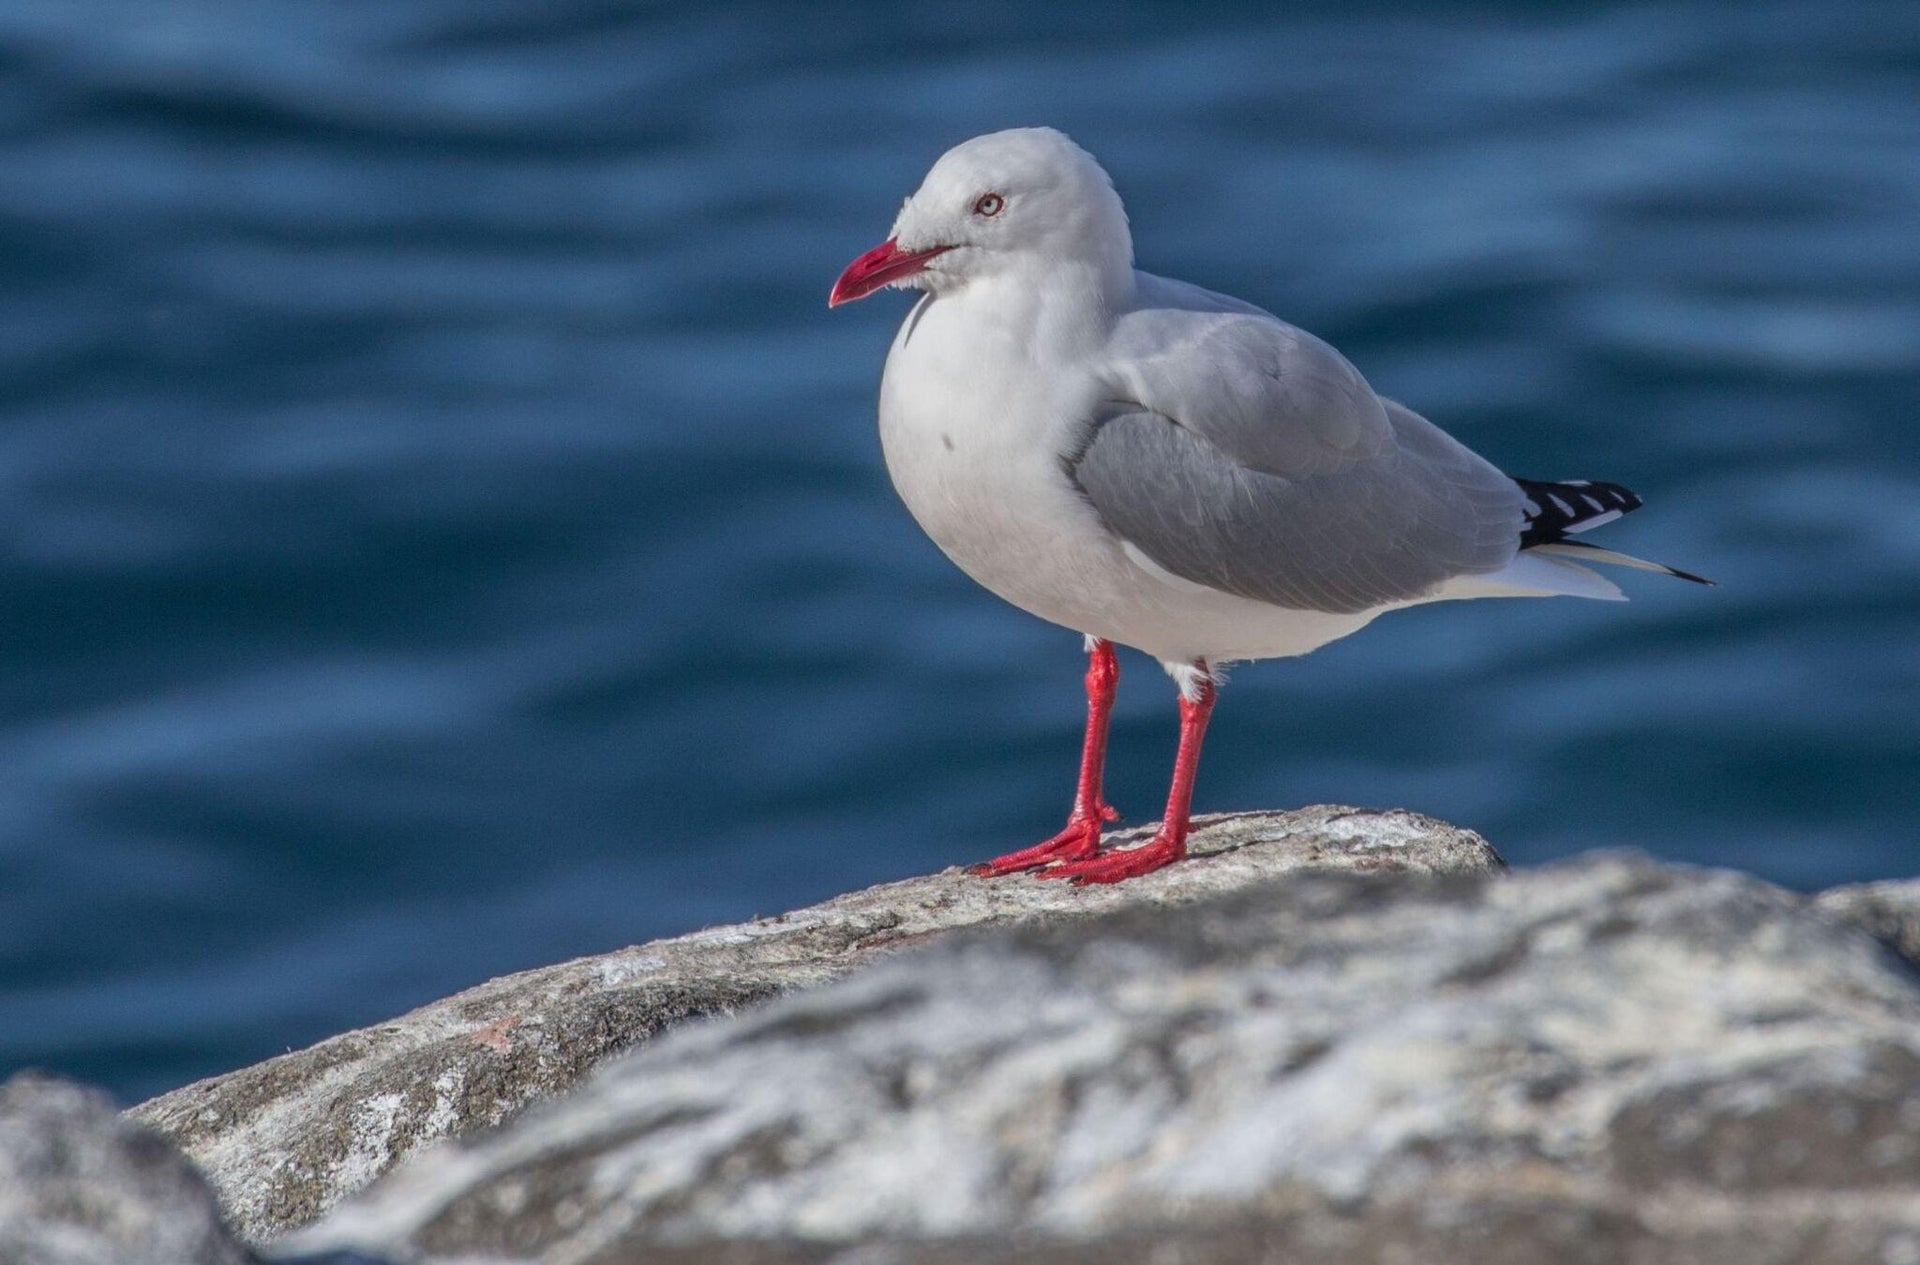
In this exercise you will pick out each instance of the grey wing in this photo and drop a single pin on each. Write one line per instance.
(1269, 394)
(1391, 527)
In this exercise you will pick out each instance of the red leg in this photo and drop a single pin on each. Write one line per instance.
(1169, 843)
(1081, 838)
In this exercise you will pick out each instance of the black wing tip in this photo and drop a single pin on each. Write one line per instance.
(1556, 510)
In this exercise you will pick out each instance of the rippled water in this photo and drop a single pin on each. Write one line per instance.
(444, 529)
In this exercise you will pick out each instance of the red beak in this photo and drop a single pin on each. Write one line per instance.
(884, 263)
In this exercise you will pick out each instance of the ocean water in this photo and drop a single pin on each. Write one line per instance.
(444, 530)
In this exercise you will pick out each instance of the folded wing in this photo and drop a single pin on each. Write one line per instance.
(1242, 454)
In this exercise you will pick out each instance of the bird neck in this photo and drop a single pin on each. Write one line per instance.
(1055, 304)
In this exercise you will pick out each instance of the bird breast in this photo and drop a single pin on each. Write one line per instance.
(967, 422)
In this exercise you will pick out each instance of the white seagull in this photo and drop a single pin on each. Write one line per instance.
(1155, 465)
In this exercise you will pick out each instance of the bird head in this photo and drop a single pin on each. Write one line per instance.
(1021, 199)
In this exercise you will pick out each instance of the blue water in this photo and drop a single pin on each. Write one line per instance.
(445, 533)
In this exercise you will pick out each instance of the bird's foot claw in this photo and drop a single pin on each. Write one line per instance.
(1112, 867)
(1078, 842)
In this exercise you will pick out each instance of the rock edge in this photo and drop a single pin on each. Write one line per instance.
(285, 1140)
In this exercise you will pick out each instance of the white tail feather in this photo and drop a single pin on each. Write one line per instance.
(1530, 575)
(1593, 553)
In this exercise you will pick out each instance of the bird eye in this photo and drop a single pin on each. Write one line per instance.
(989, 205)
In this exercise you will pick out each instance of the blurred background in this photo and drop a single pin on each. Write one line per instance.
(444, 529)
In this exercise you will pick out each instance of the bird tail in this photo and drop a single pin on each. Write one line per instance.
(1555, 511)
(1580, 550)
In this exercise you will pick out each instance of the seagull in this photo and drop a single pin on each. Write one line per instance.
(1155, 465)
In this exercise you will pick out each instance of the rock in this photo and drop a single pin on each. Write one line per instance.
(82, 1185)
(1602, 1060)
(1888, 911)
(287, 1139)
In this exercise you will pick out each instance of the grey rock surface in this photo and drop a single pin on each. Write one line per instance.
(285, 1140)
(82, 1185)
(1603, 1060)
(1889, 911)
